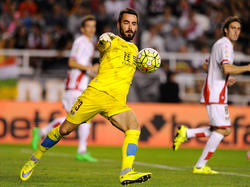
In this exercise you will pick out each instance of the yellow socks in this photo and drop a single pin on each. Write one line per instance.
(49, 141)
(53, 137)
(39, 152)
(129, 149)
(54, 134)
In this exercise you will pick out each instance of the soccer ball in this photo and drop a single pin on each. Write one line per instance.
(148, 60)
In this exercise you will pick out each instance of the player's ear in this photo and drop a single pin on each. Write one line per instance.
(82, 29)
(226, 30)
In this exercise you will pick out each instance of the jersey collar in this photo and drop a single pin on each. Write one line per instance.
(227, 39)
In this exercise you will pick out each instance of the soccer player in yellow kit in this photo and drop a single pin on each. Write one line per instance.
(106, 95)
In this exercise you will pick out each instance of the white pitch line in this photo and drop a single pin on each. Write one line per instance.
(157, 166)
(49, 153)
(161, 166)
(148, 164)
(235, 174)
(173, 168)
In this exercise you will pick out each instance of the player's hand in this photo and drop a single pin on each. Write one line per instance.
(95, 68)
(107, 37)
(231, 81)
(92, 72)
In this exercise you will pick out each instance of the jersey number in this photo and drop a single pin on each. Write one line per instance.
(78, 104)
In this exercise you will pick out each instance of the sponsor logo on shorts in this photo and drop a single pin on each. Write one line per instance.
(226, 113)
(226, 110)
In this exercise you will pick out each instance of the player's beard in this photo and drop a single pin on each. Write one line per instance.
(127, 37)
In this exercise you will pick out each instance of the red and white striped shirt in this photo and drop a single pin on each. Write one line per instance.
(215, 87)
(82, 52)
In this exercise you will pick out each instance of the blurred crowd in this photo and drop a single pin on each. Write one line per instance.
(167, 25)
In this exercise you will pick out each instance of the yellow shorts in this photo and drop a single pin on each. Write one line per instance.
(92, 102)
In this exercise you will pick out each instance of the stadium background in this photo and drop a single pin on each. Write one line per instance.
(36, 36)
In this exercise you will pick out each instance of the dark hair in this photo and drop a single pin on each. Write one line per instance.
(87, 18)
(227, 22)
(128, 11)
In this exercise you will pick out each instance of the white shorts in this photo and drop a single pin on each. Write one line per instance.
(218, 115)
(69, 98)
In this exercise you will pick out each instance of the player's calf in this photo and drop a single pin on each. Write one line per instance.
(49, 141)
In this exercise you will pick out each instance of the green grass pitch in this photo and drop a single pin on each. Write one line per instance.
(59, 168)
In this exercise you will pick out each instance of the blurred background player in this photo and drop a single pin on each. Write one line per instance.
(214, 94)
(106, 95)
(79, 73)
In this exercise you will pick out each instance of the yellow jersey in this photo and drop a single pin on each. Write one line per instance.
(117, 68)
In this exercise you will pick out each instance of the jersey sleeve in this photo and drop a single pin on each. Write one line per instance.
(78, 53)
(74, 50)
(226, 54)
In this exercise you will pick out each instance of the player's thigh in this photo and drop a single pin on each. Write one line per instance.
(125, 121)
(85, 108)
(218, 115)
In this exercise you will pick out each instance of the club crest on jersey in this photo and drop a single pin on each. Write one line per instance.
(72, 112)
(227, 53)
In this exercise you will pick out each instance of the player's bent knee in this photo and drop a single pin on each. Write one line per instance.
(224, 131)
(227, 131)
(63, 131)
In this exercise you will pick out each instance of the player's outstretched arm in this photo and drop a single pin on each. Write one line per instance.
(232, 69)
(105, 41)
(74, 64)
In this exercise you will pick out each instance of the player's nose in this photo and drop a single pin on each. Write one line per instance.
(130, 26)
